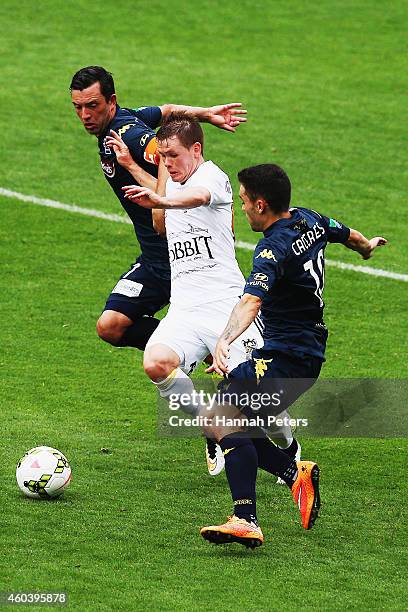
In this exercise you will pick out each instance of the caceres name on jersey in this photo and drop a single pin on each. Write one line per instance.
(136, 127)
(201, 242)
(288, 275)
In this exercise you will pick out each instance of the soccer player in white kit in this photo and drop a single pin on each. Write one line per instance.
(206, 281)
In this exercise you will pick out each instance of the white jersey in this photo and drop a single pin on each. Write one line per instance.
(201, 242)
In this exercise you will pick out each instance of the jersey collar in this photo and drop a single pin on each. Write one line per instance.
(280, 223)
(108, 127)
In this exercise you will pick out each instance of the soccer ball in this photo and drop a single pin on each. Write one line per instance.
(43, 472)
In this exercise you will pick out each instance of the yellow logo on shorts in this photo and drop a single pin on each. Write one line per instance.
(261, 367)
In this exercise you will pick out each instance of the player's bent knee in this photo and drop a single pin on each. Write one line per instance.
(158, 364)
(111, 328)
(108, 334)
(157, 369)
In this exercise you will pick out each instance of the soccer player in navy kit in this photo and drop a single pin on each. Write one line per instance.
(127, 319)
(286, 285)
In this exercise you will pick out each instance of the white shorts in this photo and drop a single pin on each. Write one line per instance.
(193, 334)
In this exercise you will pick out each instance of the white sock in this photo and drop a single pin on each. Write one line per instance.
(179, 384)
(282, 436)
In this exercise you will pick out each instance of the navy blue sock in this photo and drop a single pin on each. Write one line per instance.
(291, 450)
(274, 460)
(241, 463)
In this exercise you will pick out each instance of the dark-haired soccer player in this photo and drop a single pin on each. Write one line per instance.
(127, 319)
(286, 285)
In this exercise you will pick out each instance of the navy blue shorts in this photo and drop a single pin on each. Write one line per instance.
(280, 375)
(139, 292)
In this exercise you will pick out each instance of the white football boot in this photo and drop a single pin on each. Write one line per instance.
(215, 457)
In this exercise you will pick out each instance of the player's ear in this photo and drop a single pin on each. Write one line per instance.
(113, 99)
(197, 148)
(261, 205)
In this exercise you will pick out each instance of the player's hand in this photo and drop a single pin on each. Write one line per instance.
(121, 149)
(143, 196)
(374, 243)
(220, 358)
(226, 116)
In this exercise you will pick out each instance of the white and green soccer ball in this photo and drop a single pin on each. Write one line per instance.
(43, 472)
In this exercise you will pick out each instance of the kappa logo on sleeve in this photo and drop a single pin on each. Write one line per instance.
(266, 254)
(124, 128)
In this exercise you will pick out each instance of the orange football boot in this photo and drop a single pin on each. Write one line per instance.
(234, 530)
(305, 491)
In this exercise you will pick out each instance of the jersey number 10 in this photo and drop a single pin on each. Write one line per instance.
(317, 273)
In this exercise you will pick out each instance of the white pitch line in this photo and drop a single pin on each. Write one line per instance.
(91, 212)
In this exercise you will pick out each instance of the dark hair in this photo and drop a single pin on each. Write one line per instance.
(185, 127)
(269, 182)
(93, 74)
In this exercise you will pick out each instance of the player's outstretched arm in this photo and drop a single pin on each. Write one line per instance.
(358, 242)
(125, 159)
(224, 116)
(240, 319)
(188, 198)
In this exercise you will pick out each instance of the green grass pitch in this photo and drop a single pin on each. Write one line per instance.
(323, 84)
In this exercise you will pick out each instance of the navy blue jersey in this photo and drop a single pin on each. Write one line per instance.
(288, 274)
(136, 127)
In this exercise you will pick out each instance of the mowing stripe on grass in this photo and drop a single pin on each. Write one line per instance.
(91, 212)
